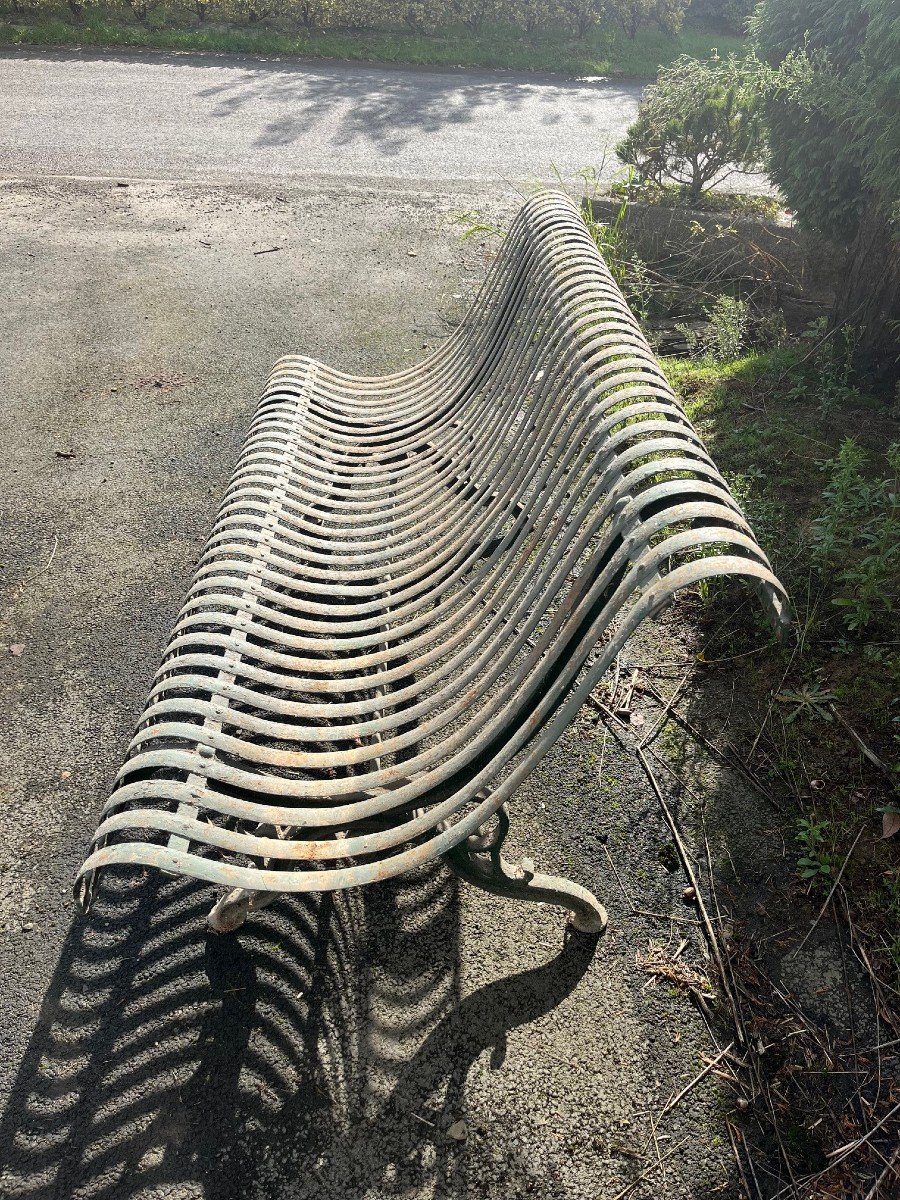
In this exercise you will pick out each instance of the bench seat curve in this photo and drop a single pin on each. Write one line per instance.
(413, 583)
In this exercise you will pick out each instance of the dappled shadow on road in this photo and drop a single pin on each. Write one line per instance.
(385, 106)
(325, 1046)
(388, 108)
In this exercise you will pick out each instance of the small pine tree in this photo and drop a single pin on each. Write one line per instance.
(695, 125)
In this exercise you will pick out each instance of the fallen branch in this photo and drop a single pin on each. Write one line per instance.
(698, 1078)
(861, 745)
(629, 1187)
(692, 876)
(872, 1193)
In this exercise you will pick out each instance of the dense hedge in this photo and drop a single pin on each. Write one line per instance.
(531, 16)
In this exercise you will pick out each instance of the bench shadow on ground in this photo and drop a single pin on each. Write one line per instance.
(326, 1042)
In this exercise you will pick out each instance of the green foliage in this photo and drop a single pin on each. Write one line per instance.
(815, 862)
(673, 195)
(535, 17)
(856, 539)
(810, 699)
(472, 13)
(834, 105)
(420, 32)
(582, 15)
(695, 124)
(611, 239)
(728, 14)
(830, 365)
(763, 421)
(729, 322)
(633, 15)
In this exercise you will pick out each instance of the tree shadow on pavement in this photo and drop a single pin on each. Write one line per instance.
(345, 103)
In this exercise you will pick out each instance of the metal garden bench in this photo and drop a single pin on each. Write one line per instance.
(412, 585)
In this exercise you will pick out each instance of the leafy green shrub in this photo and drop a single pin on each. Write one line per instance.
(856, 539)
(833, 115)
(697, 123)
(729, 321)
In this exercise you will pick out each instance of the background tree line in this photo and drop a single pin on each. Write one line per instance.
(578, 17)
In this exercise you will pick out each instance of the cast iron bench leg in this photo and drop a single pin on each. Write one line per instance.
(231, 910)
(477, 860)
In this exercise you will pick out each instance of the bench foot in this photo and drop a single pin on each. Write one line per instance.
(478, 861)
(231, 910)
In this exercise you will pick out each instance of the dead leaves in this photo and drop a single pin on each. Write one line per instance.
(658, 963)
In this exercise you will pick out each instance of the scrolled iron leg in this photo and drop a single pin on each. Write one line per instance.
(478, 861)
(231, 910)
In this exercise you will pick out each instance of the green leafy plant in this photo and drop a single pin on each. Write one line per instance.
(729, 322)
(696, 124)
(856, 539)
(815, 862)
(611, 239)
(811, 699)
(831, 120)
(830, 362)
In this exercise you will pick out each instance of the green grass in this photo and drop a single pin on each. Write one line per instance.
(607, 51)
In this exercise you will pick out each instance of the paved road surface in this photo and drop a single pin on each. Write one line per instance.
(217, 117)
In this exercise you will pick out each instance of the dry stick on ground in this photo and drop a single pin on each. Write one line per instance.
(872, 1193)
(842, 1153)
(667, 706)
(629, 1187)
(729, 760)
(834, 886)
(701, 1075)
(765, 720)
(725, 975)
(861, 745)
(692, 876)
(886, 1008)
(758, 1082)
(740, 1164)
(31, 578)
(679, 842)
(628, 899)
(645, 912)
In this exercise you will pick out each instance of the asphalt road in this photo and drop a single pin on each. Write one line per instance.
(220, 117)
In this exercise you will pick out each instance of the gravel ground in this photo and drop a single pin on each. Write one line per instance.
(414, 1039)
